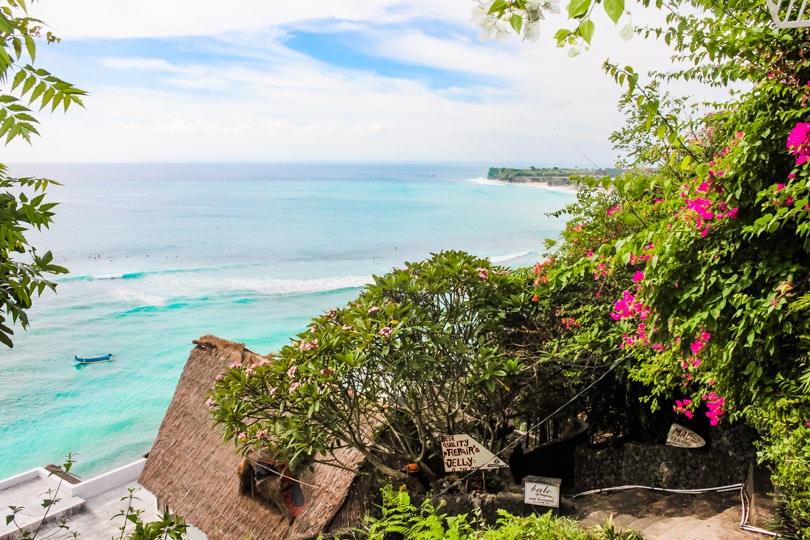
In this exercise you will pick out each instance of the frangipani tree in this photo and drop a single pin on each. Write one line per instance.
(418, 355)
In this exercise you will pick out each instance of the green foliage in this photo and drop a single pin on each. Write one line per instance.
(419, 354)
(23, 270)
(168, 527)
(695, 274)
(401, 517)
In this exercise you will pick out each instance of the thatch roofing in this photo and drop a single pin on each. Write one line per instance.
(192, 471)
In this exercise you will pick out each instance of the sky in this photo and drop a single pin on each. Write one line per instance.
(322, 81)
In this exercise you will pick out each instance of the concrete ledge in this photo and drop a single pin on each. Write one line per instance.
(28, 495)
(107, 481)
(28, 489)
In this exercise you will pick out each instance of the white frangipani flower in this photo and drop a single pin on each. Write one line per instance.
(552, 6)
(532, 31)
(495, 25)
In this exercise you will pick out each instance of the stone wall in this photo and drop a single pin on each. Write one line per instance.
(724, 461)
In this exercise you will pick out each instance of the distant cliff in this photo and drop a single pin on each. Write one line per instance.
(553, 176)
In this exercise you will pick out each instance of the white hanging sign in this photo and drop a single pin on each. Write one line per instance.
(542, 491)
(463, 453)
(683, 437)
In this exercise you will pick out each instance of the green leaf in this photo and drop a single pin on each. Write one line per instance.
(18, 78)
(614, 9)
(38, 90)
(29, 83)
(561, 36)
(17, 45)
(586, 30)
(498, 6)
(31, 45)
(517, 23)
(578, 8)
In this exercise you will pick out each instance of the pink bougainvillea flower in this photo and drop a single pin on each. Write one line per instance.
(714, 404)
(613, 210)
(798, 142)
(798, 136)
(628, 307)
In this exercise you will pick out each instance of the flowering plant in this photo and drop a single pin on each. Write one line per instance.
(419, 354)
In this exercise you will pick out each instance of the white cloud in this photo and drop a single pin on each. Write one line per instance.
(161, 18)
(526, 102)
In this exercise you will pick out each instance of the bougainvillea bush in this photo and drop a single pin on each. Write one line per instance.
(692, 271)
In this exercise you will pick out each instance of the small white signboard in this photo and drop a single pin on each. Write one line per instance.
(542, 491)
(463, 453)
(683, 437)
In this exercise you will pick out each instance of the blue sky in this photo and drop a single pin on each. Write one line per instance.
(181, 81)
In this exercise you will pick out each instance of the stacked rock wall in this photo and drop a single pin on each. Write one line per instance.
(724, 461)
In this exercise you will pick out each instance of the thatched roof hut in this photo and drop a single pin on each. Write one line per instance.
(194, 473)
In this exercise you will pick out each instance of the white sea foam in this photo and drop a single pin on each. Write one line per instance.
(500, 259)
(271, 286)
(159, 289)
(486, 181)
(129, 296)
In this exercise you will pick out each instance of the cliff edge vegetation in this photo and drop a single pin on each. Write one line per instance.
(553, 176)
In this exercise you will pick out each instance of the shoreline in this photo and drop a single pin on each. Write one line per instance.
(554, 183)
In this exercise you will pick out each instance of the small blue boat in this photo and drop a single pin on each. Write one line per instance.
(90, 360)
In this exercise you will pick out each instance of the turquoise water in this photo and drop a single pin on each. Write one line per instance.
(162, 254)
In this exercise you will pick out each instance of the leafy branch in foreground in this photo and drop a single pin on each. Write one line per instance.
(31, 87)
(23, 269)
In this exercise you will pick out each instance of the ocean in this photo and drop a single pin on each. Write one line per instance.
(161, 254)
